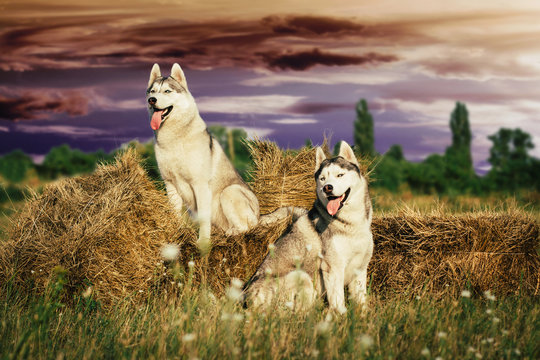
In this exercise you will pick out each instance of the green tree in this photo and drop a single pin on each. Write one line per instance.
(62, 160)
(14, 165)
(511, 165)
(364, 139)
(459, 166)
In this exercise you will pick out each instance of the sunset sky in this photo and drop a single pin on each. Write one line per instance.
(284, 70)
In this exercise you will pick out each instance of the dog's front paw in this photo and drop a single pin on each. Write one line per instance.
(205, 245)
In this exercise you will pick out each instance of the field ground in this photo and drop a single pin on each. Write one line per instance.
(197, 325)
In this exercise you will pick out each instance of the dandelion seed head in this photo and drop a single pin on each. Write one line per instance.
(489, 311)
(87, 292)
(496, 320)
(237, 283)
(170, 252)
(466, 294)
(489, 295)
(442, 335)
(323, 327)
(191, 264)
(234, 293)
(289, 304)
(189, 337)
(365, 341)
(425, 352)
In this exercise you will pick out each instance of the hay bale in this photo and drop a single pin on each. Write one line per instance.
(106, 229)
(442, 253)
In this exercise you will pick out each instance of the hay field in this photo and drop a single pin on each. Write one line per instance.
(81, 275)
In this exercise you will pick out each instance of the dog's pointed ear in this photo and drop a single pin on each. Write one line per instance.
(154, 74)
(319, 158)
(346, 152)
(178, 75)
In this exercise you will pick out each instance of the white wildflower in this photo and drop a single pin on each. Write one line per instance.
(496, 320)
(478, 355)
(290, 305)
(365, 341)
(271, 247)
(237, 283)
(323, 327)
(490, 340)
(191, 264)
(471, 349)
(442, 335)
(87, 292)
(489, 311)
(425, 352)
(489, 295)
(170, 252)
(466, 294)
(234, 293)
(189, 337)
(505, 332)
(517, 352)
(439, 358)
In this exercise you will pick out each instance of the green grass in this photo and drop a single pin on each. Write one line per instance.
(197, 325)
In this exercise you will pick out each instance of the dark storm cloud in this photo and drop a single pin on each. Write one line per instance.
(86, 41)
(316, 108)
(317, 25)
(306, 59)
(32, 105)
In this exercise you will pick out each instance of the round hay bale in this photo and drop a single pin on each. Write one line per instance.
(104, 229)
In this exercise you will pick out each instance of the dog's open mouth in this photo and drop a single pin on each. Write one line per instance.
(159, 116)
(335, 203)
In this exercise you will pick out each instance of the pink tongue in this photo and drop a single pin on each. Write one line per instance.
(156, 119)
(333, 205)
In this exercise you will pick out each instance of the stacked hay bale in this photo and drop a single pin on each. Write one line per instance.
(106, 230)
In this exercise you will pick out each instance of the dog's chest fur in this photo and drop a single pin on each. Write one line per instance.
(344, 243)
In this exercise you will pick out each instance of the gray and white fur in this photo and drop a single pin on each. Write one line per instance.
(326, 249)
(194, 167)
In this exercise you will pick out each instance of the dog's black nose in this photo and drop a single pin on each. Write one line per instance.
(152, 101)
(328, 189)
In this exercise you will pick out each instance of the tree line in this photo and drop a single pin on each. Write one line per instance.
(512, 167)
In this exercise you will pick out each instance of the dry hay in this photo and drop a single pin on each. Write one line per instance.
(442, 253)
(106, 230)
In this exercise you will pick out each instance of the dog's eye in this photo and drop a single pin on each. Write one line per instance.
(152, 91)
(167, 91)
(322, 178)
(340, 175)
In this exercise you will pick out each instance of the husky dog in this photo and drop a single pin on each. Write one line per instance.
(327, 248)
(196, 172)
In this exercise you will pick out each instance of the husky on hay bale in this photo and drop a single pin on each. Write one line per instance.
(106, 229)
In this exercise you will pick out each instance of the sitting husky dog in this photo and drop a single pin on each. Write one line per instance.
(326, 249)
(196, 171)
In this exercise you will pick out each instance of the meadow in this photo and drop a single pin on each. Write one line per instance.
(187, 318)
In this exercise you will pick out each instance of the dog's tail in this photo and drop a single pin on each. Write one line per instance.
(282, 213)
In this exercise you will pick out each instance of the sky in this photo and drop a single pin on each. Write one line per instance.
(282, 70)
